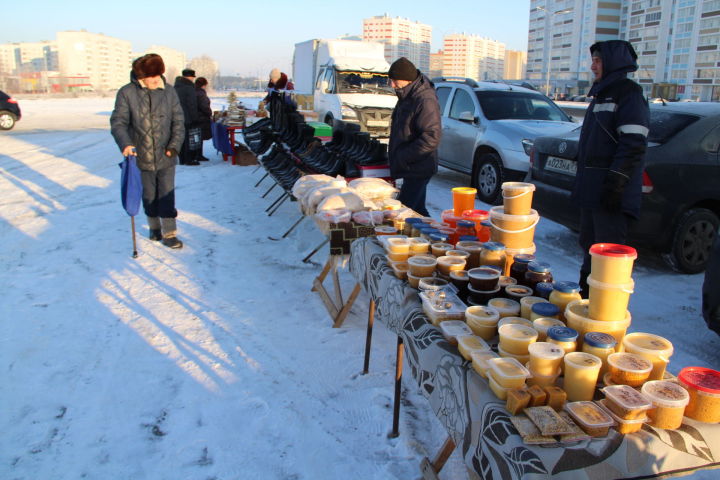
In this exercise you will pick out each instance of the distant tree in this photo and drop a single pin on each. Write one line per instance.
(205, 66)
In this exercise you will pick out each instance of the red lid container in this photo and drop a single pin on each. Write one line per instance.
(704, 379)
(613, 250)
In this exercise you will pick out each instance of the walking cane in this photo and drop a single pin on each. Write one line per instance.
(132, 223)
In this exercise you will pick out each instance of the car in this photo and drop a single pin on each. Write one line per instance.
(680, 210)
(488, 129)
(9, 111)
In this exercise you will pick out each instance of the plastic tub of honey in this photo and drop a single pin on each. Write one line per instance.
(447, 264)
(601, 345)
(526, 304)
(612, 263)
(626, 402)
(422, 265)
(590, 418)
(500, 392)
(505, 306)
(414, 280)
(669, 401)
(653, 347)
(628, 369)
(608, 302)
(400, 269)
(432, 284)
(581, 375)
(515, 321)
(471, 343)
(517, 197)
(463, 199)
(452, 329)
(543, 323)
(484, 278)
(397, 257)
(516, 338)
(449, 217)
(505, 281)
(381, 230)
(458, 253)
(541, 380)
(481, 297)
(398, 245)
(419, 246)
(703, 386)
(482, 321)
(542, 310)
(480, 361)
(623, 426)
(576, 316)
(545, 358)
(507, 372)
(516, 292)
(514, 231)
(440, 248)
(523, 359)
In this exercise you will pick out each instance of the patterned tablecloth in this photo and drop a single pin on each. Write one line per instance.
(478, 422)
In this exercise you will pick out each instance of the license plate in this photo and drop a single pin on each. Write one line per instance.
(377, 123)
(562, 165)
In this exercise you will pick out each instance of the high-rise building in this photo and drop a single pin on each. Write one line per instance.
(106, 61)
(472, 56)
(515, 61)
(175, 61)
(676, 42)
(401, 37)
(16, 58)
(436, 64)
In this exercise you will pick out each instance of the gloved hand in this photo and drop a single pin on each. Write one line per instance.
(612, 191)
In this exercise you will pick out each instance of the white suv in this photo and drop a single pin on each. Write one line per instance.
(489, 129)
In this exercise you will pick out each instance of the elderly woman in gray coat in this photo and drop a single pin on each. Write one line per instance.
(148, 121)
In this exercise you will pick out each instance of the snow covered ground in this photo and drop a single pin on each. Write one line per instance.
(215, 361)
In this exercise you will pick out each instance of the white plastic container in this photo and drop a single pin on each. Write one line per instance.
(467, 344)
(505, 307)
(451, 329)
(507, 372)
(515, 338)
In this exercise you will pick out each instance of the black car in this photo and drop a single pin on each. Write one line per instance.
(680, 210)
(9, 111)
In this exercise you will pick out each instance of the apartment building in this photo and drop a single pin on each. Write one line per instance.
(16, 58)
(105, 60)
(401, 37)
(472, 56)
(515, 61)
(436, 64)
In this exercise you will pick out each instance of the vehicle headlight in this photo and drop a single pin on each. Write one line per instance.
(347, 112)
(527, 146)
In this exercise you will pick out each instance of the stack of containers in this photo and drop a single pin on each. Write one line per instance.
(513, 224)
(611, 284)
(514, 341)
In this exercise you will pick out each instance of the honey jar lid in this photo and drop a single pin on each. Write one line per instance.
(486, 223)
(413, 220)
(544, 289)
(562, 334)
(465, 223)
(704, 379)
(467, 238)
(545, 309)
(438, 237)
(494, 246)
(539, 267)
(613, 250)
(524, 258)
(600, 340)
(567, 287)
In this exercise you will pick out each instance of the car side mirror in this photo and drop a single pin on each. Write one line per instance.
(466, 117)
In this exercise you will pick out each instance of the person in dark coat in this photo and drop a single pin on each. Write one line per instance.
(148, 121)
(711, 289)
(204, 112)
(611, 151)
(185, 88)
(414, 133)
(277, 81)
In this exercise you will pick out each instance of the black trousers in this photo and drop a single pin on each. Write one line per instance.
(186, 155)
(412, 194)
(159, 193)
(599, 226)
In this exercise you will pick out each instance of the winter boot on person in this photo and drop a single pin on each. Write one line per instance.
(155, 229)
(169, 238)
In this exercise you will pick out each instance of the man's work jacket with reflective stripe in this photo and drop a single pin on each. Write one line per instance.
(614, 133)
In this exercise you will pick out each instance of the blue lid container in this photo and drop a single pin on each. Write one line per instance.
(544, 289)
(546, 309)
(600, 340)
(524, 258)
(465, 224)
(438, 237)
(413, 220)
(567, 287)
(539, 267)
(494, 246)
(467, 238)
(562, 334)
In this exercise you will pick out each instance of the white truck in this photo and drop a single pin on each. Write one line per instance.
(348, 80)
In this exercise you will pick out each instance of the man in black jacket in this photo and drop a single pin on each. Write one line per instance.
(611, 152)
(185, 88)
(711, 289)
(147, 121)
(414, 133)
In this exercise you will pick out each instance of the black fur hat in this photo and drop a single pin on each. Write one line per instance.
(149, 65)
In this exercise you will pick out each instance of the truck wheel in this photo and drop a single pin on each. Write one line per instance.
(693, 240)
(7, 120)
(488, 177)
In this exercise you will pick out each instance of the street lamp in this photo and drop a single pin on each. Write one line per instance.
(549, 49)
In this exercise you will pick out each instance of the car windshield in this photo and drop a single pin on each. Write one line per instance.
(511, 105)
(363, 82)
(664, 125)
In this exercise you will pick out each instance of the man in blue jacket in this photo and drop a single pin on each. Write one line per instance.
(414, 133)
(611, 153)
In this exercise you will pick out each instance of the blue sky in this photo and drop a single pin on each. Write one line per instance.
(252, 37)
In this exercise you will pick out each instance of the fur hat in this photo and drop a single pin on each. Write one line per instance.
(403, 69)
(275, 75)
(281, 82)
(149, 65)
(188, 72)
